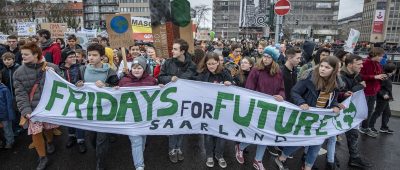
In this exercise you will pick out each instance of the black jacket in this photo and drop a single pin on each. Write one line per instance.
(70, 74)
(351, 83)
(386, 89)
(304, 92)
(207, 76)
(7, 77)
(237, 81)
(173, 67)
(289, 80)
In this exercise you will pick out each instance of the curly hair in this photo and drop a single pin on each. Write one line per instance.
(97, 47)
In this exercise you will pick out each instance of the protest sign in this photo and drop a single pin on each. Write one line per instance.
(352, 40)
(141, 28)
(190, 107)
(119, 30)
(26, 28)
(3, 38)
(57, 30)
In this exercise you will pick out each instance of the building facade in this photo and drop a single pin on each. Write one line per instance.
(312, 19)
(225, 16)
(95, 12)
(137, 8)
(40, 12)
(381, 21)
(345, 24)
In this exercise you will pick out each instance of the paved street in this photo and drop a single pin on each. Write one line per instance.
(383, 151)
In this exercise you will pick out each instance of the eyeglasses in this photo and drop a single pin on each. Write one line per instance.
(212, 64)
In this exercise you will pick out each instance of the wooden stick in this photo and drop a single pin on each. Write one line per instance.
(124, 57)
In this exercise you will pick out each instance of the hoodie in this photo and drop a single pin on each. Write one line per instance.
(368, 72)
(51, 51)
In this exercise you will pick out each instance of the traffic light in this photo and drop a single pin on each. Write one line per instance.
(297, 22)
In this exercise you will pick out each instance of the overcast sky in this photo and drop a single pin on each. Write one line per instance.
(346, 8)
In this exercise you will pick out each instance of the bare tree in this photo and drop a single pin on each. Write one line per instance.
(201, 12)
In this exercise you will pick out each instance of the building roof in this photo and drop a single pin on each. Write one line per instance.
(350, 18)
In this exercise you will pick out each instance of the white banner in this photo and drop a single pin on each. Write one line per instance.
(26, 28)
(352, 40)
(190, 107)
(3, 38)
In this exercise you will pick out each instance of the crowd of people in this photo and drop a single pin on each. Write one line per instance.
(303, 73)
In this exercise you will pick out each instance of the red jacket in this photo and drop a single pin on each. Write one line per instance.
(130, 81)
(52, 53)
(368, 72)
(156, 71)
(262, 81)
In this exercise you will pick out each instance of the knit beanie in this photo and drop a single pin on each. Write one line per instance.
(273, 52)
(65, 54)
(141, 61)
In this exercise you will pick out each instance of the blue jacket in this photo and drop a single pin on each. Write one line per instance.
(6, 104)
(70, 74)
(304, 92)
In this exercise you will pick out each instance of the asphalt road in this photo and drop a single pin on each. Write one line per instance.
(383, 152)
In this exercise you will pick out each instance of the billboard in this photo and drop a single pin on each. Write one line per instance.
(253, 13)
(141, 28)
(379, 19)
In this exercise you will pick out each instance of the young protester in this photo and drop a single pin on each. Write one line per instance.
(246, 64)
(236, 54)
(372, 74)
(134, 51)
(72, 44)
(28, 82)
(108, 52)
(69, 70)
(80, 57)
(350, 74)
(7, 115)
(265, 77)
(179, 66)
(102, 75)
(153, 61)
(61, 42)
(384, 96)
(138, 77)
(289, 70)
(210, 70)
(8, 74)
(316, 88)
(50, 50)
(321, 54)
(13, 47)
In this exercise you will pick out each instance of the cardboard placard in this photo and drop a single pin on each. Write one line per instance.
(119, 29)
(57, 30)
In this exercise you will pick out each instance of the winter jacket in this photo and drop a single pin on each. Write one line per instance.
(304, 92)
(262, 81)
(289, 79)
(7, 77)
(220, 78)
(70, 74)
(6, 104)
(111, 79)
(52, 53)
(24, 79)
(368, 72)
(351, 82)
(386, 89)
(2, 51)
(174, 67)
(130, 81)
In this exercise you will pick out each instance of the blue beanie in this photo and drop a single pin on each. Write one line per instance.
(273, 52)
